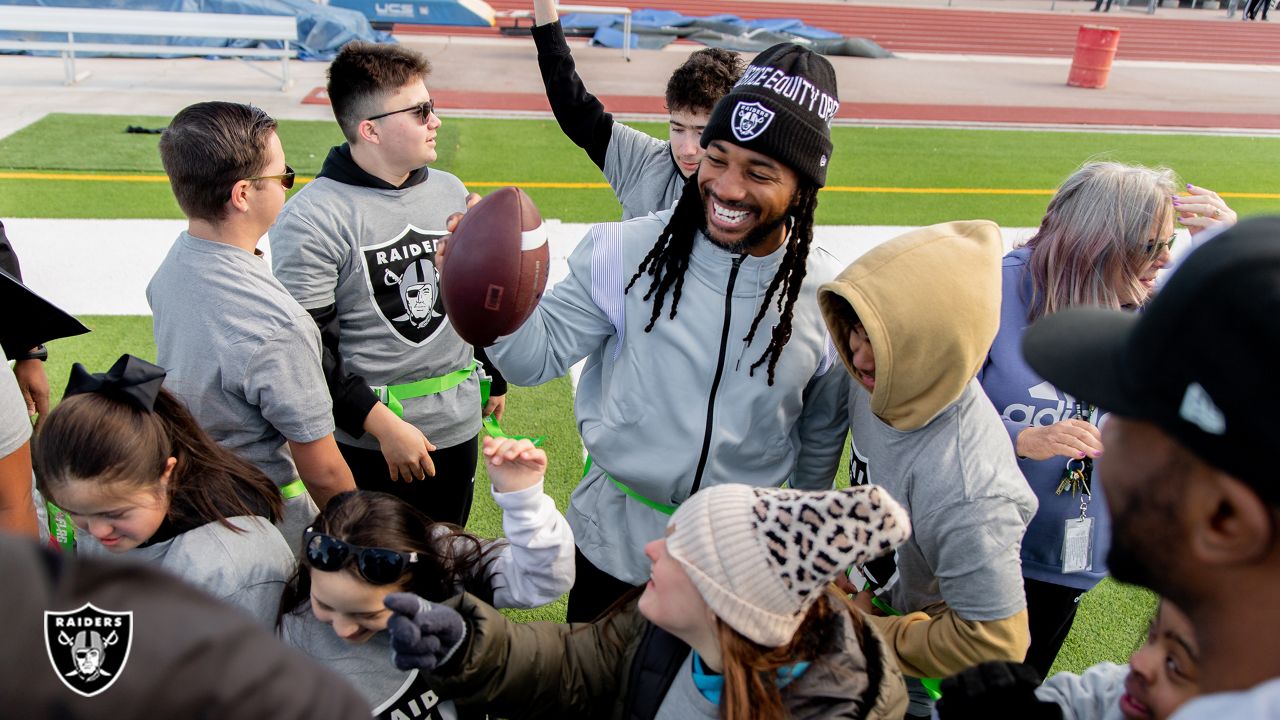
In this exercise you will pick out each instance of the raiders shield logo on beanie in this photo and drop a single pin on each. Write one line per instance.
(782, 107)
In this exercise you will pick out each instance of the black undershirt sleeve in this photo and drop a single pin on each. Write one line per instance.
(8, 259)
(581, 115)
(497, 383)
(352, 398)
(9, 264)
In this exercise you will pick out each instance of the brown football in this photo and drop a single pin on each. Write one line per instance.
(496, 267)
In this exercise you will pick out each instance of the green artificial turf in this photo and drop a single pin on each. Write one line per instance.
(521, 151)
(1113, 617)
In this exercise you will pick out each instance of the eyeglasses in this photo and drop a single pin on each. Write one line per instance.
(286, 178)
(424, 110)
(1154, 247)
(380, 566)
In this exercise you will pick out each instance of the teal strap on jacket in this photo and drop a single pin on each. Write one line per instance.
(293, 489)
(660, 507)
(933, 686)
(61, 530)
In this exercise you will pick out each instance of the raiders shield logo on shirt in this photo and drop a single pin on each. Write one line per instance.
(88, 647)
(404, 286)
(749, 120)
(413, 700)
(880, 574)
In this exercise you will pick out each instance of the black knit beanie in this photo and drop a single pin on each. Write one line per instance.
(782, 107)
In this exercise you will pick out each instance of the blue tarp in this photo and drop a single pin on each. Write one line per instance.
(653, 29)
(322, 29)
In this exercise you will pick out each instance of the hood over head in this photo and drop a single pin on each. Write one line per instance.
(929, 301)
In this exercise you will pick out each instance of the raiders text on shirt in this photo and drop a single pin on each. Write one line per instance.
(86, 622)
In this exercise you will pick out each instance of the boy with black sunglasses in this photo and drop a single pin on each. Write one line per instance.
(356, 248)
(240, 352)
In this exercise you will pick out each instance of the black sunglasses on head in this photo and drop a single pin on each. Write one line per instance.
(424, 110)
(380, 566)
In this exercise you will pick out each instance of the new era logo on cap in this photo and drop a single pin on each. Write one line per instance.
(1199, 409)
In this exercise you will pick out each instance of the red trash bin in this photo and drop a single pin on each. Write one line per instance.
(1095, 49)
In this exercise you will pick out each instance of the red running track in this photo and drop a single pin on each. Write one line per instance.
(953, 30)
(523, 102)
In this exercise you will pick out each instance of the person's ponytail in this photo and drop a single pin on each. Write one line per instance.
(213, 482)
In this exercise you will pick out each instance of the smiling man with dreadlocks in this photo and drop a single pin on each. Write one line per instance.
(707, 358)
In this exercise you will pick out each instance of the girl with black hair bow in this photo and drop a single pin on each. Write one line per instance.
(127, 461)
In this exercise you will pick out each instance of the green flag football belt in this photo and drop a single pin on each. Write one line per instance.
(393, 396)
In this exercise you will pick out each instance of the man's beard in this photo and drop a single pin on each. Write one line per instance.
(758, 235)
(1145, 544)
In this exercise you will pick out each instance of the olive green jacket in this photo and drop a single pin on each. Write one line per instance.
(534, 670)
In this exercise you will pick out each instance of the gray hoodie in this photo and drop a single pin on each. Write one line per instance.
(675, 409)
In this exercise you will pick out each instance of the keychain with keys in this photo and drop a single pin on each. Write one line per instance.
(1073, 478)
(1077, 537)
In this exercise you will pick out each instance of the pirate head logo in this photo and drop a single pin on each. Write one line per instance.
(749, 119)
(404, 286)
(419, 288)
(88, 647)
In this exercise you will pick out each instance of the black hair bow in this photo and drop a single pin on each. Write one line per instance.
(131, 379)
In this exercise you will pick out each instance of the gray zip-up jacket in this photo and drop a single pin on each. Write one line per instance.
(670, 411)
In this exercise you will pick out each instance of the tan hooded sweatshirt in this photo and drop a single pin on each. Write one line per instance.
(929, 302)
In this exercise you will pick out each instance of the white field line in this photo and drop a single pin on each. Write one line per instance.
(102, 267)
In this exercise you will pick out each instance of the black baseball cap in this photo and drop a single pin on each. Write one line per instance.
(1201, 361)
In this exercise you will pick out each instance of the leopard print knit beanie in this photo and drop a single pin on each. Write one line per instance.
(761, 556)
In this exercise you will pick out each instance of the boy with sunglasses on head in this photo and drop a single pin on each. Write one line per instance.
(240, 352)
(356, 248)
(367, 545)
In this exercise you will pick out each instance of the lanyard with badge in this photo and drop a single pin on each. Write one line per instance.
(1077, 537)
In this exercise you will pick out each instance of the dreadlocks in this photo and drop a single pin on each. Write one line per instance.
(669, 258)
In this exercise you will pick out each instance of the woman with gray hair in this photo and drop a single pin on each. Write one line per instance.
(1104, 238)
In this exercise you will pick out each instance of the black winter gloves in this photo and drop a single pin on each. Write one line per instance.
(995, 690)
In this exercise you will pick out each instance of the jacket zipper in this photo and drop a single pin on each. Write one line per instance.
(715, 383)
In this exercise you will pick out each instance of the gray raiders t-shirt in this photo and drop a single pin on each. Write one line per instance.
(968, 501)
(641, 171)
(240, 352)
(15, 424)
(370, 251)
(391, 693)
